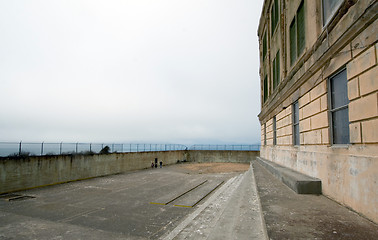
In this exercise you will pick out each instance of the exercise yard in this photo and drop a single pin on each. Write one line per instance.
(135, 205)
(181, 201)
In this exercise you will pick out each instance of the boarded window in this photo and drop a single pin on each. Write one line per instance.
(339, 108)
(329, 8)
(274, 15)
(276, 70)
(296, 123)
(274, 131)
(297, 34)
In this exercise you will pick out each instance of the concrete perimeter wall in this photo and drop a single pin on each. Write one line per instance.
(37, 171)
(222, 156)
(24, 173)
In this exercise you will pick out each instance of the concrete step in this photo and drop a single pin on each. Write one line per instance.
(298, 182)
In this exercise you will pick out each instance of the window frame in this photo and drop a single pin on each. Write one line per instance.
(325, 22)
(274, 131)
(295, 109)
(274, 16)
(294, 22)
(264, 134)
(265, 88)
(331, 110)
(276, 68)
(265, 46)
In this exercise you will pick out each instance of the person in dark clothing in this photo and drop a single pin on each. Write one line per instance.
(161, 164)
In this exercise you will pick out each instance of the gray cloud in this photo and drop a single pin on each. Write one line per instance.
(148, 71)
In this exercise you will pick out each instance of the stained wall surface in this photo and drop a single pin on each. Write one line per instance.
(346, 42)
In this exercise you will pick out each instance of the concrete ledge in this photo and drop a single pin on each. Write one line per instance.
(299, 182)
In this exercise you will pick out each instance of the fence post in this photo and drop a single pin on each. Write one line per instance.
(76, 146)
(42, 149)
(60, 148)
(20, 148)
(90, 147)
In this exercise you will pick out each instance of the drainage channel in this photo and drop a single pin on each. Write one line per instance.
(191, 197)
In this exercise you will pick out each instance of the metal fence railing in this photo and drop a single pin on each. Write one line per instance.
(225, 147)
(46, 148)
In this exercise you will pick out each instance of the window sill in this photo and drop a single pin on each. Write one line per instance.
(342, 146)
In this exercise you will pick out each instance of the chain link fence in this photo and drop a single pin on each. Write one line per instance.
(220, 147)
(47, 148)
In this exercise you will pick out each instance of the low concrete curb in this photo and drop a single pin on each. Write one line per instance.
(298, 182)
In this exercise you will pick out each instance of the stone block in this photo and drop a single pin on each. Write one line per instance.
(355, 132)
(319, 90)
(305, 125)
(311, 109)
(369, 81)
(363, 108)
(325, 136)
(319, 120)
(305, 99)
(281, 115)
(370, 131)
(269, 135)
(323, 103)
(312, 137)
(363, 62)
(353, 89)
(285, 140)
(364, 39)
(338, 60)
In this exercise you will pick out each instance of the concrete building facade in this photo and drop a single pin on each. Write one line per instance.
(319, 95)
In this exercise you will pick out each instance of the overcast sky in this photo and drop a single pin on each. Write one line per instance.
(157, 71)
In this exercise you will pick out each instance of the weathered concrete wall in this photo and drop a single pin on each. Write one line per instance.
(349, 175)
(222, 156)
(24, 173)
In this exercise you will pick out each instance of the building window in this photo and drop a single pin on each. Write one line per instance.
(339, 101)
(266, 92)
(274, 15)
(274, 131)
(296, 123)
(329, 8)
(297, 34)
(276, 70)
(264, 46)
(264, 134)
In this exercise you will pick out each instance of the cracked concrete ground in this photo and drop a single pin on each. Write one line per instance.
(119, 207)
(112, 207)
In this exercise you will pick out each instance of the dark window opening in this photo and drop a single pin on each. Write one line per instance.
(339, 112)
(274, 15)
(266, 92)
(297, 34)
(274, 131)
(276, 70)
(296, 140)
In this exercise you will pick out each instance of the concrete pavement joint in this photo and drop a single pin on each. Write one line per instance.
(191, 217)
